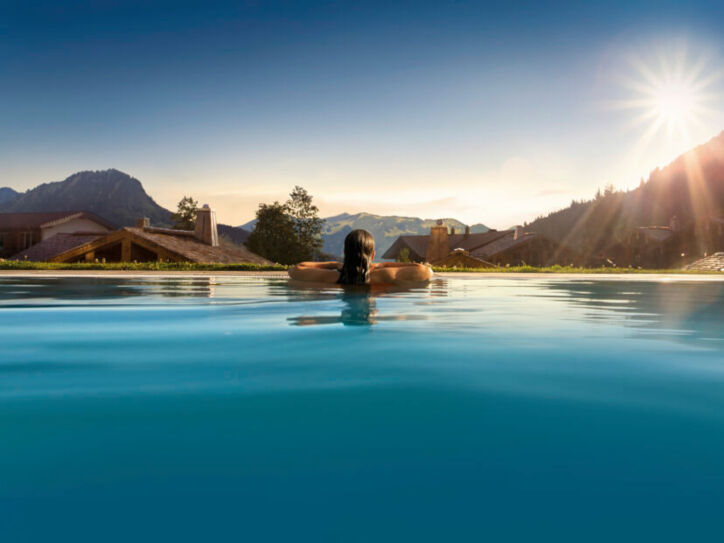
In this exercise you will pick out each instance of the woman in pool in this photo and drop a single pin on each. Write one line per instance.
(358, 269)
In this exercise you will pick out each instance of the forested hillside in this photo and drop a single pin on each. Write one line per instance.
(691, 188)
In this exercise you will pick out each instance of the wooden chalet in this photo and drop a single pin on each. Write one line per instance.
(512, 247)
(520, 248)
(144, 243)
(21, 231)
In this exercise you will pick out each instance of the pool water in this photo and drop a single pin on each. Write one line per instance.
(248, 409)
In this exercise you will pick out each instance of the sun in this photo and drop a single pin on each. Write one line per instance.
(672, 95)
(676, 103)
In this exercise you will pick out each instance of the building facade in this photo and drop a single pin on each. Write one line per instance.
(20, 231)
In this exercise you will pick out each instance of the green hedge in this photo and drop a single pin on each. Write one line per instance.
(190, 266)
(137, 266)
(563, 269)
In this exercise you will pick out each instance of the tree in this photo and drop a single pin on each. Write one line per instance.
(274, 236)
(288, 233)
(185, 216)
(307, 224)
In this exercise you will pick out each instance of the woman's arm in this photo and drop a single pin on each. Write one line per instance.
(310, 271)
(394, 265)
(409, 273)
(331, 265)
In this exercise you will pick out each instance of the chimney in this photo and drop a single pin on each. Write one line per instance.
(452, 231)
(205, 230)
(143, 222)
(438, 247)
(467, 232)
(518, 232)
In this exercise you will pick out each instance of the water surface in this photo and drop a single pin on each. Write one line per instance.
(246, 409)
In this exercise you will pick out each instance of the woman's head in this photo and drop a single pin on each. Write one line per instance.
(359, 252)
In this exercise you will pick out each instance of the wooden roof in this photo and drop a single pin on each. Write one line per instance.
(503, 243)
(482, 247)
(176, 245)
(55, 245)
(462, 259)
(194, 250)
(418, 244)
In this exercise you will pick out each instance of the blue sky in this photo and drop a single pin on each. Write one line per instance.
(482, 111)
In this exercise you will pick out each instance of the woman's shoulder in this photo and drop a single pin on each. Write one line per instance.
(382, 275)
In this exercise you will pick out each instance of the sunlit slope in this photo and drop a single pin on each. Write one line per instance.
(690, 188)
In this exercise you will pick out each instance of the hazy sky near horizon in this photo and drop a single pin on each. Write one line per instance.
(483, 111)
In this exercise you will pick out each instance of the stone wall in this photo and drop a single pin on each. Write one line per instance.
(714, 263)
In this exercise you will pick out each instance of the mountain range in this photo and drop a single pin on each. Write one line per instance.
(384, 228)
(121, 199)
(690, 188)
(111, 194)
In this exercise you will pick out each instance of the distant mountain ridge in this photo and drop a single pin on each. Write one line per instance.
(111, 194)
(7, 194)
(384, 228)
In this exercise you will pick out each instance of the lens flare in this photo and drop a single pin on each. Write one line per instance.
(675, 103)
(672, 94)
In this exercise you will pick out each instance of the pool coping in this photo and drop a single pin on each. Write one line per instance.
(444, 275)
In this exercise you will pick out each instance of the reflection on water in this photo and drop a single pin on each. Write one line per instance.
(36, 291)
(674, 307)
(359, 306)
(359, 309)
(684, 309)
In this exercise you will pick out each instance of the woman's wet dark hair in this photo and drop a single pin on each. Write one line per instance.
(359, 249)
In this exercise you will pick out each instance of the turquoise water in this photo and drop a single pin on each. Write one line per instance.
(245, 409)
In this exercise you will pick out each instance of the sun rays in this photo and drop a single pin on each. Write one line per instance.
(672, 95)
(671, 99)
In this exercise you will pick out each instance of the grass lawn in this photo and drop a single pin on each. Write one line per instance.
(190, 266)
(565, 269)
(136, 266)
